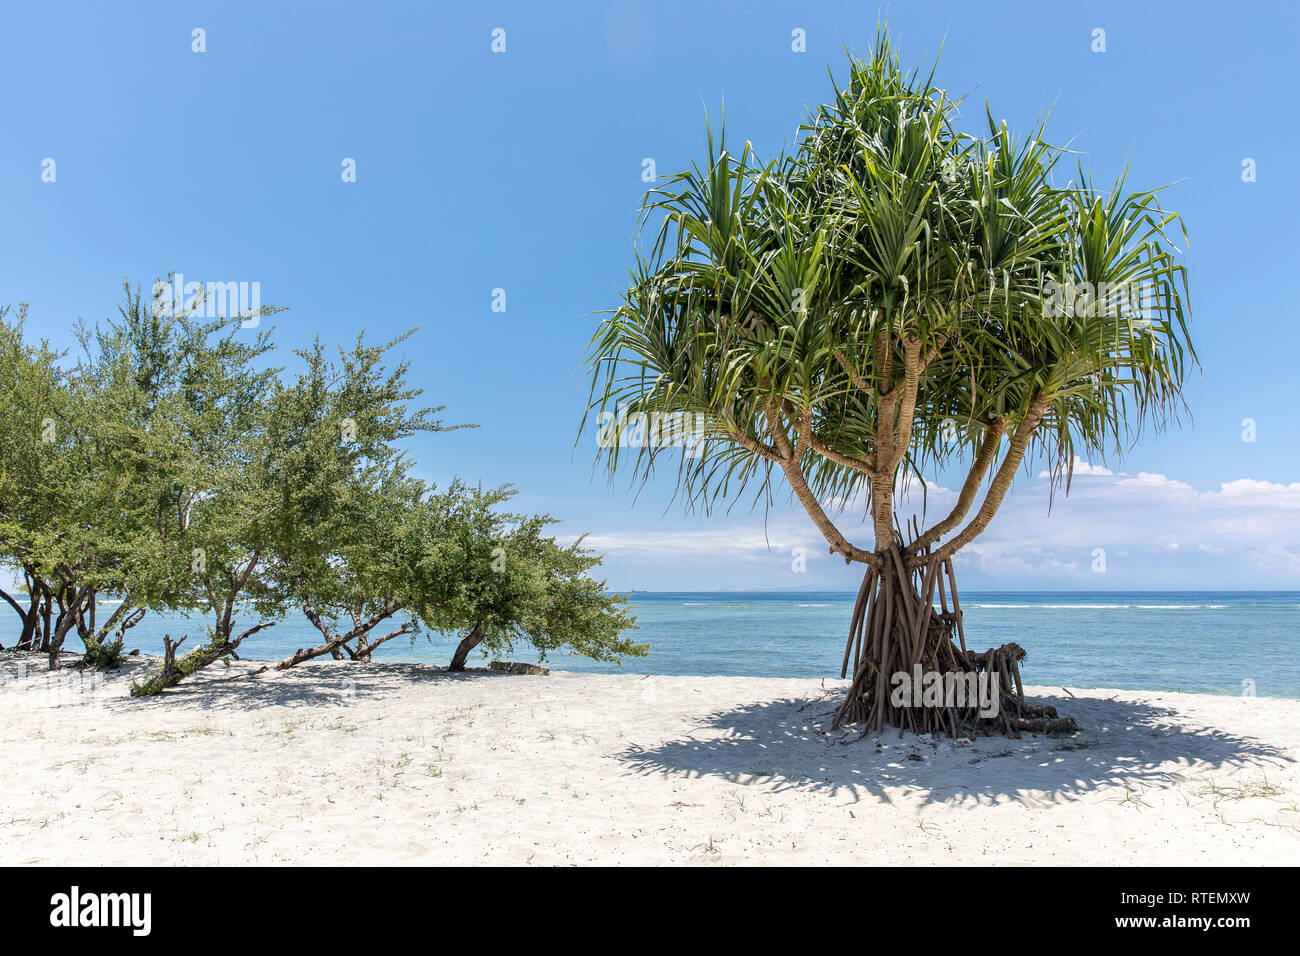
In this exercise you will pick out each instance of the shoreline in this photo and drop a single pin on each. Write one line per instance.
(394, 763)
(69, 658)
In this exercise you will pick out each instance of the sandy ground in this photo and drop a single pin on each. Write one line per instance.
(402, 764)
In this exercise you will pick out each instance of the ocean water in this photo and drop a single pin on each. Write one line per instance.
(1191, 641)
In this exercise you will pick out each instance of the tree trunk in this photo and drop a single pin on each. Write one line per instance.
(471, 641)
(45, 614)
(173, 671)
(118, 623)
(366, 647)
(335, 643)
(911, 666)
(27, 639)
(311, 653)
(71, 607)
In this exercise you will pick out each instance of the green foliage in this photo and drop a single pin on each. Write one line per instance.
(106, 656)
(71, 514)
(487, 569)
(33, 390)
(175, 467)
(186, 403)
(342, 488)
(883, 296)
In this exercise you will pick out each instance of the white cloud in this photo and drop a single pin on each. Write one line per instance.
(1155, 531)
(1083, 469)
(739, 540)
(1243, 526)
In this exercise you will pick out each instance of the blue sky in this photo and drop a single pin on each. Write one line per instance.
(521, 171)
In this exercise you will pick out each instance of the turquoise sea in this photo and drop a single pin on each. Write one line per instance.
(1192, 641)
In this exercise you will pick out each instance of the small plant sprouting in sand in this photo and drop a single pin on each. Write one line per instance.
(206, 732)
(1134, 799)
(464, 716)
(991, 756)
(1067, 744)
(81, 766)
(711, 847)
(981, 758)
(1261, 789)
(290, 728)
(736, 799)
(441, 757)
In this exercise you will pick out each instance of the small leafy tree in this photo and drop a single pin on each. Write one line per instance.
(33, 389)
(345, 499)
(361, 542)
(72, 517)
(495, 578)
(210, 425)
(128, 366)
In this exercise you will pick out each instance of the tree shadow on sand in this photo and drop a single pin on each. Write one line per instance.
(337, 683)
(244, 686)
(788, 744)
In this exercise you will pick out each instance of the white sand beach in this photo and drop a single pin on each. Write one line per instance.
(341, 763)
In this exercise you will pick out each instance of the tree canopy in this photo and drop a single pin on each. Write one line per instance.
(892, 295)
(173, 466)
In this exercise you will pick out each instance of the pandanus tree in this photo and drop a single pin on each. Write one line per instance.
(892, 297)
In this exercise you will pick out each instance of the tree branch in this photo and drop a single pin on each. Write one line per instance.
(826, 451)
(1002, 480)
(14, 604)
(249, 633)
(933, 352)
(907, 402)
(779, 434)
(839, 544)
(969, 489)
(406, 628)
(858, 381)
(755, 446)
